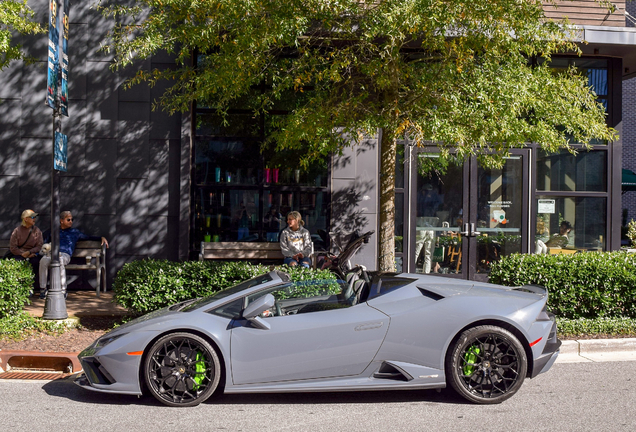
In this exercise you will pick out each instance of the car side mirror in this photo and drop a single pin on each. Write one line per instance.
(258, 306)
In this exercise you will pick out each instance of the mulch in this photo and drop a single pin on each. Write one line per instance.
(73, 340)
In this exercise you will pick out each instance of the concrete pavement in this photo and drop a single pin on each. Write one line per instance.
(81, 304)
(597, 350)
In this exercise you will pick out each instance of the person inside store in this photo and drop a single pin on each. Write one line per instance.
(561, 239)
(69, 237)
(26, 240)
(242, 217)
(557, 241)
(272, 223)
(295, 242)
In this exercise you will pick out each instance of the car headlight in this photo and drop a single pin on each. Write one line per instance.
(105, 340)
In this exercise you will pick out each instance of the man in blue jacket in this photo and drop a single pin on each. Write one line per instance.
(69, 237)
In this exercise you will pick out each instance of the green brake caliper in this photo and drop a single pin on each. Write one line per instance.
(470, 357)
(199, 367)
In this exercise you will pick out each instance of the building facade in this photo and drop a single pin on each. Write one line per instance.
(157, 185)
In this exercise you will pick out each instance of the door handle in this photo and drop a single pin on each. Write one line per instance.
(469, 230)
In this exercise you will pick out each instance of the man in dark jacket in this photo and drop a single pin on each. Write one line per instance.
(69, 237)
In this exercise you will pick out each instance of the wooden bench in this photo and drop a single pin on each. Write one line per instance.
(240, 250)
(88, 255)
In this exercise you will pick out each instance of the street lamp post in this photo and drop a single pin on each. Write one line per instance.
(55, 304)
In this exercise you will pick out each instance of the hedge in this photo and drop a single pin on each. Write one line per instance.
(16, 283)
(147, 285)
(581, 285)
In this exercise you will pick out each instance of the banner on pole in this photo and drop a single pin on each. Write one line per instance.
(53, 63)
(61, 152)
(64, 62)
(57, 76)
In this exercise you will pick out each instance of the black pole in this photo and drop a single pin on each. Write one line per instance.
(55, 304)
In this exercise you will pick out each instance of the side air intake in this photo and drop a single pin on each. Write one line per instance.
(391, 372)
(430, 294)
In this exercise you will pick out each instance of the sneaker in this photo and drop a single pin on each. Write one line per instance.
(43, 294)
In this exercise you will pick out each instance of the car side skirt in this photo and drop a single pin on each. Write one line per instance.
(384, 376)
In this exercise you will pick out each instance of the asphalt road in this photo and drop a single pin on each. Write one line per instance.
(571, 397)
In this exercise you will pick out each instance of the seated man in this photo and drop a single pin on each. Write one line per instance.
(557, 241)
(69, 237)
(562, 239)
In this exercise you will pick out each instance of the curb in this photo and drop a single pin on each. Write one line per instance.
(597, 350)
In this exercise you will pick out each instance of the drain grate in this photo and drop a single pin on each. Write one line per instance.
(22, 375)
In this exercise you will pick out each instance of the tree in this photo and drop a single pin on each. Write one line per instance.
(15, 16)
(471, 77)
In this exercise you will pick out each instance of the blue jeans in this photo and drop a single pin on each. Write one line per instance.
(304, 262)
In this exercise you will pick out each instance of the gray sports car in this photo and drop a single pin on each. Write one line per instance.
(369, 332)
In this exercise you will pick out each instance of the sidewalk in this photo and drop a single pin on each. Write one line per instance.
(597, 350)
(81, 303)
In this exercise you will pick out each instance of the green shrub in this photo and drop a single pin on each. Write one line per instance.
(599, 327)
(21, 325)
(147, 285)
(16, 283)
(631, 232)
(581, 285)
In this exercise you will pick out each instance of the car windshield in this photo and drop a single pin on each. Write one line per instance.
(229, 291)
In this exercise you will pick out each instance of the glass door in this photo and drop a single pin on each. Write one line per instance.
(498, 214)
(437, 216)
(465, 217)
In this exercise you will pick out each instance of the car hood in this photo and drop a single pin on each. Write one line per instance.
(145, 319)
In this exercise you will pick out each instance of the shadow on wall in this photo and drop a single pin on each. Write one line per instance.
(347, 205)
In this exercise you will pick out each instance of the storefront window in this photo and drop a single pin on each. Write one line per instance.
(569, 225)
(244, 190)
(586, 171)
(596, 71)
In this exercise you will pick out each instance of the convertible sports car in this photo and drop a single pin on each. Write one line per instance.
(369, 332)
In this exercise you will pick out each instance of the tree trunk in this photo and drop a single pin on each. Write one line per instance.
(388, 149)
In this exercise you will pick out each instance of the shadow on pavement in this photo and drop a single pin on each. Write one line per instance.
(65, 388)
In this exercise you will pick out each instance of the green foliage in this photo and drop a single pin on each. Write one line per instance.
(147, 285)
(446, 72)
(22, 325)
(472, 78)
(16, 283)
(631, 232)
(15, 16)
(602, 327)
(581, 285)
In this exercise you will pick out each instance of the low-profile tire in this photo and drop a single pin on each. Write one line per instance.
(181, 370)
(486, 365)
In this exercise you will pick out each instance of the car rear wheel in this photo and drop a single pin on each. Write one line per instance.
(486, 365)
(182, 370)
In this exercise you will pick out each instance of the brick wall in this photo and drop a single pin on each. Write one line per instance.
(629, 129)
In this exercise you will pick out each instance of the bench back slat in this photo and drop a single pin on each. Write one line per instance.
(240, 250)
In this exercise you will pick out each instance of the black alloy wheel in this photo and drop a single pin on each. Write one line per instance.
(182, 370)
(487, 365)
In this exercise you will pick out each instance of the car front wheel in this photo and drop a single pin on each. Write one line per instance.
(486, 365)
(182, 370)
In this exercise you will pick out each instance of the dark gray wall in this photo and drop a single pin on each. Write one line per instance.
(355, 199)
(128, 167)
